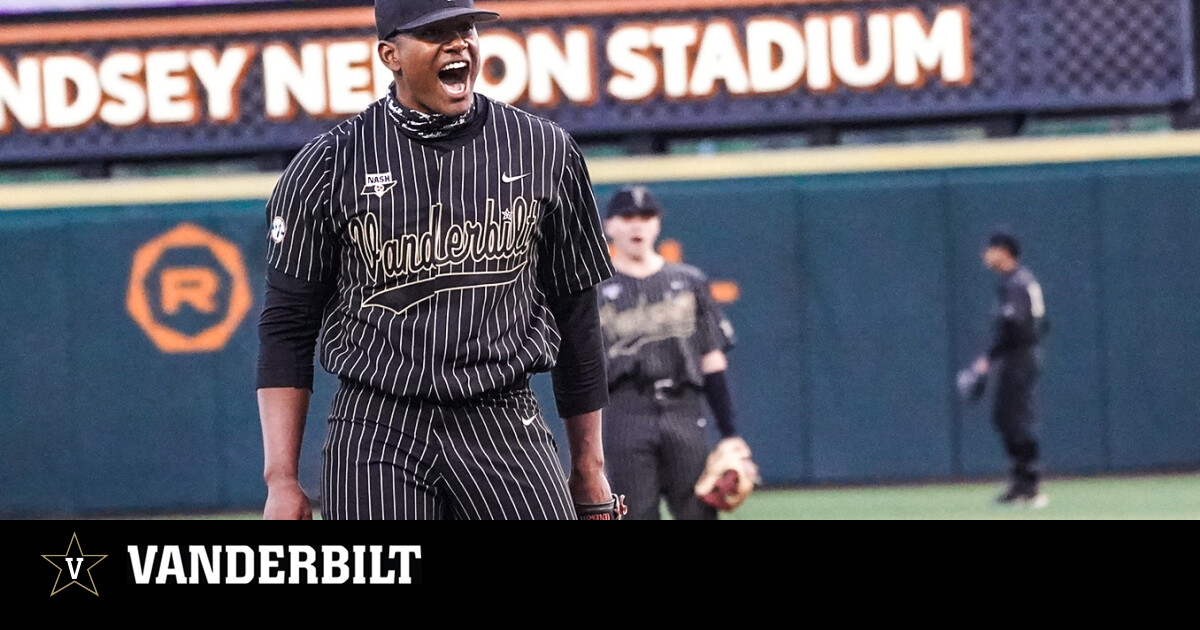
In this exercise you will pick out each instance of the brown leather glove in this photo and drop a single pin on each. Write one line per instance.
(730, 475)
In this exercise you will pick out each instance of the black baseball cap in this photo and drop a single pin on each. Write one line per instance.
(1005, 240)
(633, 200)
(395, 16)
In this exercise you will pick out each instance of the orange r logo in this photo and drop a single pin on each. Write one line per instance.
(188, 290)
(196, 286)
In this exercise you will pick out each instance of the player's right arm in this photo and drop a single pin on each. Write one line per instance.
(300, 282)
(288, 328)
(714, 337)
(283, 410)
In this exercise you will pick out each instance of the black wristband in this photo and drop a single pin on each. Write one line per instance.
(716, 391)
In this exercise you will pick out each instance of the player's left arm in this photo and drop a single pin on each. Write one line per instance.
(573, 259)
(580, 383)
(587, 482)
(580, 392)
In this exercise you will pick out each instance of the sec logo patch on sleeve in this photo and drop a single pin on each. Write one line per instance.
(278, 229)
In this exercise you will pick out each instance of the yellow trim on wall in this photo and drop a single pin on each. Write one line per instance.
(134, 191)
(903, 157)
(814, 161)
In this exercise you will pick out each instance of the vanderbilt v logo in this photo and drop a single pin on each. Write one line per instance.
(73, 565)
(77, 565)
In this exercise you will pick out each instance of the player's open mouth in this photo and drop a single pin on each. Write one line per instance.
(454, 77)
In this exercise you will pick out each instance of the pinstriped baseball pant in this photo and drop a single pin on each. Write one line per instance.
(492, 457)
(655, 449)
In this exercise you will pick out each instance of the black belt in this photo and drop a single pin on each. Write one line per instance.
(660, 389)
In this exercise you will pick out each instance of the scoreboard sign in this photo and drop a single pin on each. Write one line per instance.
(252, 80)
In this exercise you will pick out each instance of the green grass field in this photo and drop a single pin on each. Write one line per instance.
(1161, 497)
(1149, 497)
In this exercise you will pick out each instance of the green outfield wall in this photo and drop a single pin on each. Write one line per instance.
(128, 318)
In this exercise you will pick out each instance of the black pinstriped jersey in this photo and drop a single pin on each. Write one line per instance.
(443, 257)
(658, 328)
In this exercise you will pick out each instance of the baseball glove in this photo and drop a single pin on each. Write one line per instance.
(729, 475)
(970, 385)
(612, 510)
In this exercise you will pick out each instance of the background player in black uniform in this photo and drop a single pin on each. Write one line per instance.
(444, 246)
(1014, 357)
(666, 342)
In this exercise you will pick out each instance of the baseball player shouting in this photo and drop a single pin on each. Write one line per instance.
(666, 341)
(443, 246)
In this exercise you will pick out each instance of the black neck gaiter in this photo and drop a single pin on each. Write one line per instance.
(424, 126)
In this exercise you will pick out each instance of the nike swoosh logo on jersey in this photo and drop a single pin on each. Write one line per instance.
(508, 180)
(528, 421)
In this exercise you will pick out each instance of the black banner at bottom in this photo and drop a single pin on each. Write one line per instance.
(101, 565)
(212, 568)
